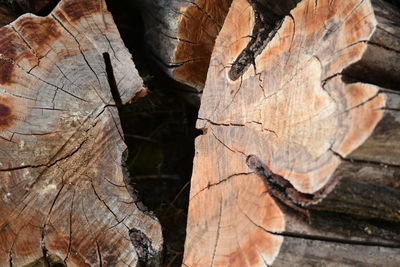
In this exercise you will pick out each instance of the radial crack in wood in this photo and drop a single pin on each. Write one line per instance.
(325, 136)
(62, 183)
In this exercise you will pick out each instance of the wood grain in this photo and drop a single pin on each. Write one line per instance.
(62, 193)
(304, 109)
(181, 36)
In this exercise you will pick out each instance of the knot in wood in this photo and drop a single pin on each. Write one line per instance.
(6, 115)
(254, 163)
(4, 110)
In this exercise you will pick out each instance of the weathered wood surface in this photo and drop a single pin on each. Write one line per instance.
(299, 160)
(181, 35)
(63, 197)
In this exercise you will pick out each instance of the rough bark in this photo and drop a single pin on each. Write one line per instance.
(299, 160)
(181, 36)
(63, 197)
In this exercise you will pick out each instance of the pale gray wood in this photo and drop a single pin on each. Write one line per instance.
(62, 190)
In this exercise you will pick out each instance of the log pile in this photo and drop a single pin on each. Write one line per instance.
(298, 163)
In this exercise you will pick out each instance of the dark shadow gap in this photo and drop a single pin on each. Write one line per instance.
(111, 80)
(37, 7)
(46, 10)
(159, 131)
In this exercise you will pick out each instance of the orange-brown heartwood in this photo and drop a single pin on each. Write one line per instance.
(181, 36)
(299, 159)
(298, 163)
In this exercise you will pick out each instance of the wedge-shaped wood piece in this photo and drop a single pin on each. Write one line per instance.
(299, 158)
(63, 196)
(181, 35)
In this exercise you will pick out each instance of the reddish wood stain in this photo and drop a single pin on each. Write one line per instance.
(40, 33)
(6, 70)
(198, 26)
(78, 9)
(7, 118)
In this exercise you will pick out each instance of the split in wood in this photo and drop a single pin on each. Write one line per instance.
(111, 80)
(279, 187)
(267, 23)
(346, 191)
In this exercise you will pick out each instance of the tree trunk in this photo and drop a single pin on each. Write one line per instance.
(63, 196)
(299, 161)
(181, 36)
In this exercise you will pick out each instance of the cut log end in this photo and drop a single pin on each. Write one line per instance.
(198, 27)
(63, 194)
(305, 113)
(181, 36)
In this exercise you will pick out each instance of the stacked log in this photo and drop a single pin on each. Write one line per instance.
(180, 35)
(298, 163)
(63, 199)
